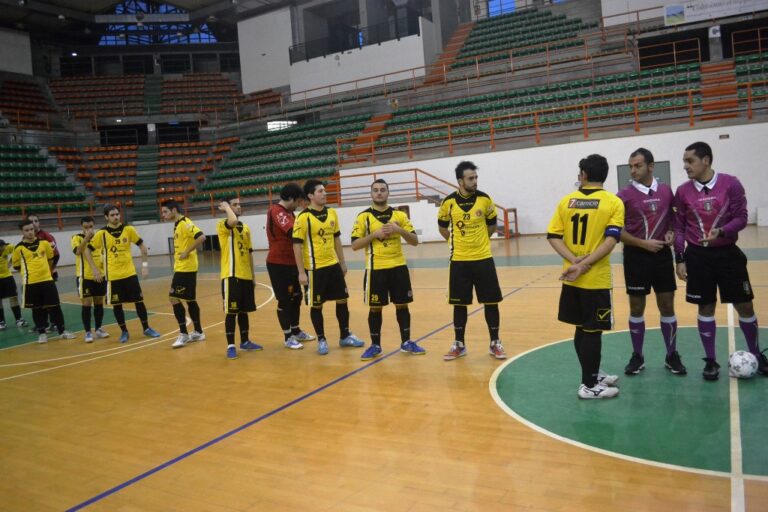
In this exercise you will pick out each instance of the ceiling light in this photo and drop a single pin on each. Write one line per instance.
(212, 19)
(121, 35)
(62, 17)
(179, 33)
(86, 31)
(118, 120)
(22, 3)
(74, 54)
(139, 24)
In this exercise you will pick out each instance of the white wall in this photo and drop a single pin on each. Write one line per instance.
(430, 37)
(270, 35)
(696, 10)
(15, 52)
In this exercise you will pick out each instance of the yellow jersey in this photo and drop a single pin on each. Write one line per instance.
(387, 253)
(82, 268)
(113, 247)
(468, 219)
(34, 261)
(236, 248)
(317, 231)
(184, 235)
(583, 220)
(5, 254)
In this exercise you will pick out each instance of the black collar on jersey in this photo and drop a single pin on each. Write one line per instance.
(382, 216)
(587, 191)
(321, 215)
(116, 232)
(177, 222)
(32, 246)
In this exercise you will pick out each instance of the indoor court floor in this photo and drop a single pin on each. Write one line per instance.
(143, 427)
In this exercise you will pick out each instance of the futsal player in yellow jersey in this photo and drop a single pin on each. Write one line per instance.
(90, 292)
(112, 244)
(380, 230)
(320, 260)
(187, 239)
(237, 279)
(33, 258)
(467, 219)
(8, 287)
(584, 229)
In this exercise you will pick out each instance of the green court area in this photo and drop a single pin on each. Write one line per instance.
(14, 336)
(659, 417)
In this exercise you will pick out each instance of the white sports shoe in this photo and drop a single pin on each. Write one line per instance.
(42, 338)
(89, 337)
(598, 391)
(101, 333)
(66, 335)
(182, 340)
(293, 344)
(3, 326)
(607, 380)
(196, 336)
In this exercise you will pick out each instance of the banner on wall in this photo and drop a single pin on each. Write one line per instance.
(703, 10)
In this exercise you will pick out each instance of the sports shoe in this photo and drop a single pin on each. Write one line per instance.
(711, 369)
(124, 337)
(455, 352)
(322, 347)
(636, 364)
(351, 341)
(293, 344)
(3, 326)
(21, 323)
(231, 352)
(607, 379)
(674, 364)
(66, 335)
(151, 333)
(762, 364)
(598, 391)
(303, 336)
(89, 337)
(249, 345)
(497, 350)
(411, 347)
(371, 352)
(182, 340)
(42, 338)
(101, 333)
(196, 336)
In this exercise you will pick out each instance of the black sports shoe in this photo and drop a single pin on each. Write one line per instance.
(762, 363)
(636, 364)
(674, 364)
(711, 369)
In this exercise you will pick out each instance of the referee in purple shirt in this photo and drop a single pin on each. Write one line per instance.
(648, 263)
(711, 209)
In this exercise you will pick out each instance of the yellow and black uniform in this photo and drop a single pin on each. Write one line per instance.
(7, 283)
(317, 232)
(86, 286)
(467, 218)
(113, 247)
(34, 260)
(583, 220)
(386, 273)
(236, 268)
(184, 282)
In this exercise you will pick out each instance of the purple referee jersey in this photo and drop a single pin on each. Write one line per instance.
(720, 203)
(648, 210)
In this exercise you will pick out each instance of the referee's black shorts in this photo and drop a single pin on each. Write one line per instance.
(644, 270)
(710, 268)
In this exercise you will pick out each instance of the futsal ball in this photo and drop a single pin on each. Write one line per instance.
(742, 365)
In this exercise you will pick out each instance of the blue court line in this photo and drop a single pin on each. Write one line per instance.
(263, 417)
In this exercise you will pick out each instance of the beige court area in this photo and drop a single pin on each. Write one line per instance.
(81, 422)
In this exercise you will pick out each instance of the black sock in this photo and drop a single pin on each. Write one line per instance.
(181, 319)
(316, 315)
(492, 319)
(459, 322)
(342, 315)
(194, 314)
(591, 346)
(57, 317)
(98, 315)
(85, 314)
(120, 316)
(284, 317)
(403, 316)
(16, 312)
(375, 320)
(40, 317)
(295, 313)
(141, 310)
(242, 322)
(229, 328)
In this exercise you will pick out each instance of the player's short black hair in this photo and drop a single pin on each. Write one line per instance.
(463, 166)
(291, 191)
(647, 155)
(595, 167)
(310, 186)
(24, 223)
(380, 180)
(701, 149)
(87, 218)
(3, 242)
(171, 204)
(109, 207)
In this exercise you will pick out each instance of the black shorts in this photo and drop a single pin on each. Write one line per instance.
(285, 281)
(124, 291)
(8, 287)
(183, 286)
(644, 270)
(385, 285)
(239, 295)
(325, 283)
(41, 295)
(480, 274)
(87, 288)
(710, 268)
(589, 309)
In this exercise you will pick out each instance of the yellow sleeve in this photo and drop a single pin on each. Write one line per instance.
(617, 215)
(336, 223)
(444, 213)
(193, 229)
(75, 243)
(133, 235)
(359, 230)
(16, 258)
(404, 222)
(299, 228)
(556, 222)
(48, 249)
(490, 210)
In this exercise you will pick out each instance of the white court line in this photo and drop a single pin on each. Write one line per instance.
(548, 433)
(738, 503)
(127, 348)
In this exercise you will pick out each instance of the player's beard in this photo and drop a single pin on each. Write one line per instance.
(380, 204)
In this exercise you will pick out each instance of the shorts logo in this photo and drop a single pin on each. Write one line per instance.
(747, 288)
(603, 314)
(584, 204)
